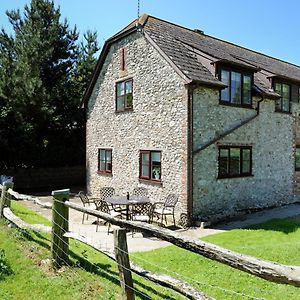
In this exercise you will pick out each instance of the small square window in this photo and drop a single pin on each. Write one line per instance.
(150, 165)
(124, 95)
(297, 159)
(235, 161)
(104, 160)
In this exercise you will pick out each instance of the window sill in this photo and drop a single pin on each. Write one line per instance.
(283, 112)
(109, 174)
(124, 110)
(235, 105)
(232, 177)
(151, 182)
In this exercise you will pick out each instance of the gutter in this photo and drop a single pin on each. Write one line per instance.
(213, 141)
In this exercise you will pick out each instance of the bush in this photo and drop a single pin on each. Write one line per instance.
(5, 268)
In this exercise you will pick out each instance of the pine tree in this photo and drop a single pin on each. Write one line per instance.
(42, 74)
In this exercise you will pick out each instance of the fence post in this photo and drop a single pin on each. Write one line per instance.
(2, 200)
(122, 259)
(60, 225)
(9, 185)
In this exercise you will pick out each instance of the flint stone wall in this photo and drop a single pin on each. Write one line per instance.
(158, 122)
(271, 136)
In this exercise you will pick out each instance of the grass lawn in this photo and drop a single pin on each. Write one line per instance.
(276, 240)
(32, 280)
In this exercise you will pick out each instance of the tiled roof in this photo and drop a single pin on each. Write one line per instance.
(183, 45)
(194, 54)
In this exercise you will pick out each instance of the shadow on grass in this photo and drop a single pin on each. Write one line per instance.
(284, 225)
(103, 270)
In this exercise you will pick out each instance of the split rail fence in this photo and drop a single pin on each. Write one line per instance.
(267, 270)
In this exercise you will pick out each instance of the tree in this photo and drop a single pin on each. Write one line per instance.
(43, 75)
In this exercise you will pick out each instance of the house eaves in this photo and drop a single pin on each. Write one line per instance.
(100, 62)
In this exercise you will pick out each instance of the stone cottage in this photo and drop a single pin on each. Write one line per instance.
(178, 111)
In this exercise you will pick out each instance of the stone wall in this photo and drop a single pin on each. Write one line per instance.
(271, 136)
(158, 121)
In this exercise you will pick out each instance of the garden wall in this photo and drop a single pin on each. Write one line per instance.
(37, 178)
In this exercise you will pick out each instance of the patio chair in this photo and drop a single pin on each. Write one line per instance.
(86, 201)
(140, 192)
(103, 207)
(106, 192)
(166, 208)
(142, 212)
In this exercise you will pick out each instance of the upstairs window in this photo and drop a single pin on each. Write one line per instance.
(238, 90)
(150, 165)
(124, 95)
(297, 159)
(283, 103)
(104, 161)
(235, 161)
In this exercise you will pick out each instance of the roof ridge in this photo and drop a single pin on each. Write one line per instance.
(225, 41)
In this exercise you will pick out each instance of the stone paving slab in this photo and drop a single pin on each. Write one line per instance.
(138, 242)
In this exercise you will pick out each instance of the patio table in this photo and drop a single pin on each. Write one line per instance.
(122, 200)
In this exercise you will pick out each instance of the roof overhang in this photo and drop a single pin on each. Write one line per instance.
(100, 62)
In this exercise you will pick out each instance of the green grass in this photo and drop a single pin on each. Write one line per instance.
(91, 275)
(276, 240)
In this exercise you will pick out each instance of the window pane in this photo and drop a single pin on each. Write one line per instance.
(120, 103)
(246, 161)
(247, 90)
(278, 105)
(285, 105)
(128, 87)
(145, 165)
(156, 165)
(297, 159)
(155, 156)
(129, 100)
(102, 166)
(223, 162)
(145, 171)
(120, 89)
(234, 161)
(225, 78)
(236, 87)
(102, 155)
(278, 88)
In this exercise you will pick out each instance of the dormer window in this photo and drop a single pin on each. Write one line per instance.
(238, 90)
(283, 103)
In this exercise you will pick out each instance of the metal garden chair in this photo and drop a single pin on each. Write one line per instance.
(86, 201)
(103, 207)
(166, 208)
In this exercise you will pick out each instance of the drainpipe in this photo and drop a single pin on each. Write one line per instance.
(190, 155)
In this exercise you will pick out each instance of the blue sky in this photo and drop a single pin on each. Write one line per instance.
(268, 26)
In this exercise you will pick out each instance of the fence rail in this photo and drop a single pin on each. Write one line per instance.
(265, 269)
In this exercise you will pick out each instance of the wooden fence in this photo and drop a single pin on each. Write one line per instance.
(265, 269)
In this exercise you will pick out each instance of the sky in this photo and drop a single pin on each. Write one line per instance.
(268, 26)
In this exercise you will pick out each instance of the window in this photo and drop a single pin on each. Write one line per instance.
(298, 94)
(124, 95)
(104, 160)
(235, 161)
(238, 90)
(283, 103)
(297, 159)
(150, 165)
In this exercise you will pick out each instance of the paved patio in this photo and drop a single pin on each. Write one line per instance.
(139, 243)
